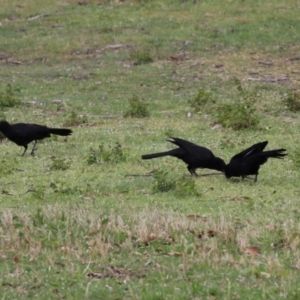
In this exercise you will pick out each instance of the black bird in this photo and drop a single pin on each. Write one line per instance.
(193, 155)
(249, 161)
(22, 133)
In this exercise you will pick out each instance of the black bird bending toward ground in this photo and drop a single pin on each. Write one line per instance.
(249, 161)
(193, 155)
(22, 134)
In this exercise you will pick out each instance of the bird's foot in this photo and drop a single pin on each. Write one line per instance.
(32, 153)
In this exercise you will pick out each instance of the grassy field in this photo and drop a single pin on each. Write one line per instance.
(75, 223)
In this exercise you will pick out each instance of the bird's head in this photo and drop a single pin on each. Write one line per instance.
(220, 164)
(227, 172)
(3, 125)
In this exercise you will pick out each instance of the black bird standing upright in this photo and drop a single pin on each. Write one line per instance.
(22, 133)
(249, 160)
(193, 155)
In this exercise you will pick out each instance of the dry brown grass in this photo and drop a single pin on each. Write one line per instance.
(85, 233)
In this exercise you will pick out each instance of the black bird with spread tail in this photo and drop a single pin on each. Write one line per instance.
(249, 160)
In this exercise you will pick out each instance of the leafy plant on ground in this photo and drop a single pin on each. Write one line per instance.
(201, 100)
(93, 156)
(60, 164)
(64, 188)
(7, 165)
(141, 56)
(182, 186)
(296, 158)
(226, 142)
(292, 101)
(8, 97)
(74, 119)
(38, 192)
(186, 186)
(169, 132)
(106, 153)
(137, 108)
(241, 113)
(162, 182)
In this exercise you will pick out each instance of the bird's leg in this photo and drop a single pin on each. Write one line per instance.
(33, 148)
(255, 179)
(25, 146)
(192, 171)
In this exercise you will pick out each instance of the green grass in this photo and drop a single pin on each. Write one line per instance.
(73, 224)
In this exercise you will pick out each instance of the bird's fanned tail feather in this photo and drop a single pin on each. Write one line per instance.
(278, 153)
(60, 131)
(155, 155)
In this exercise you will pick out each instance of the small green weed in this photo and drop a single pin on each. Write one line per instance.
(73, 119)
(237, 116)
(170, 132)
(7, 166)
(110, 153)
(93, 156)
(292, 101)
(248, 94)
(8, 97)
(185, 186)
(38, 218)
(226, 143)
(64, 188)
(162, 182)
(137, 109)
(201, 100)
(241, 114)
(60, 164)
(182, 187)
(37, 192)
(296, 158)
(140, 56)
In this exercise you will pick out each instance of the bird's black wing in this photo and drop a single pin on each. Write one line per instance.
(256, 148)
(199, 152)
(25, 130)
(261, 158)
